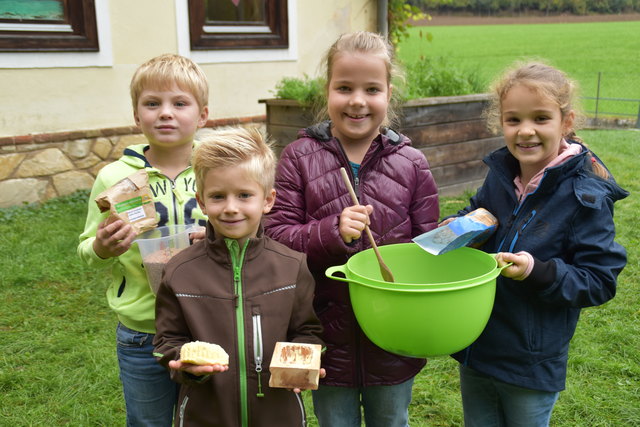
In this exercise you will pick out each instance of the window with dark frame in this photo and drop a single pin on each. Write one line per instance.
(238, 24)
(48, 25)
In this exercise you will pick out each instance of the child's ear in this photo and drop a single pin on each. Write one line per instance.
(269, 200)
(202, 206)
(136, 117)
(390, 93)
(567, 124)
(204, 116)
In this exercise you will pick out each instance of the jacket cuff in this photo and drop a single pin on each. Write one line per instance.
(542, 275)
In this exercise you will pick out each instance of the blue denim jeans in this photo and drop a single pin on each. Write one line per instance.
(488, 402)
(149, 393)
(383, 406)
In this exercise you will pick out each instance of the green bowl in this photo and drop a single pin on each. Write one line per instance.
(437, 306)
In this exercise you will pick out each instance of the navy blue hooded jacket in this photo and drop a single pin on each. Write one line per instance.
(567, 225)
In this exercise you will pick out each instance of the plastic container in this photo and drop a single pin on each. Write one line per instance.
(437, 306)
(159, 245)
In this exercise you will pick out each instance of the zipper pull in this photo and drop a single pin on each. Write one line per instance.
(236, 281)
(259, 393)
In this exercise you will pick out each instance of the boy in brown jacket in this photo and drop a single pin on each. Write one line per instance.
(238, 289)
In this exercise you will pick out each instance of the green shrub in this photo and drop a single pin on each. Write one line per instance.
(425, 78)
(429, 77)
(307, 91)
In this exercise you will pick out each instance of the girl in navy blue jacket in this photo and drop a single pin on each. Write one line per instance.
(554, 200)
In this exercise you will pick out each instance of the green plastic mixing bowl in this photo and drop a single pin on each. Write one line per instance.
(437, 306)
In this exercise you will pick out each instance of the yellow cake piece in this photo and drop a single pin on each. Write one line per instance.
(203, 353)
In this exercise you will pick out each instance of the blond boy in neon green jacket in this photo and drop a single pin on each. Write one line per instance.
(169, 94)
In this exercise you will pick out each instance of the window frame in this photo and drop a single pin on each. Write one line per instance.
(277, 36)
(82, 35)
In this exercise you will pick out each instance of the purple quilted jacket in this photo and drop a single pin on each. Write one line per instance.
(395, 179)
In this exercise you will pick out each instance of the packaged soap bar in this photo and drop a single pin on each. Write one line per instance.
(130, 200)
(473, 228)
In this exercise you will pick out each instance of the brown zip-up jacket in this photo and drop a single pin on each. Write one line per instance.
(245, 300)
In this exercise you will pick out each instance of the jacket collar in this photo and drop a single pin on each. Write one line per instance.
(387, 141)
(507, 167)
(217, 248)
(322, 132)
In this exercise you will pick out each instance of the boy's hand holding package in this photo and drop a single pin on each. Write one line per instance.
(131, 211)
(113, 238)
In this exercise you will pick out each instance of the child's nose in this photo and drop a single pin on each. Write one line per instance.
(231, 205)
(526, 130)
(166, 110)
(357, 99)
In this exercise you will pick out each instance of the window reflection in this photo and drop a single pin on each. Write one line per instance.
(235, 11)
(32, 10)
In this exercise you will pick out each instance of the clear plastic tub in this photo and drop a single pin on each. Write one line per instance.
(159, 245)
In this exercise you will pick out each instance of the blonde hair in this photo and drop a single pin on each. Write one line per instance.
(163, 71)
(368, 43)
(548, 82)
(235, 146)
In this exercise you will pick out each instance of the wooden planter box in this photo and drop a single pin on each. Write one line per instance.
(449, 131)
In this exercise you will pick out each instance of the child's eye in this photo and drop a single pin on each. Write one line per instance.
(343, 89)
(373, 90)
(181, 104)
(245, 195)
(511, 120)
(151, 103)
(542, 118)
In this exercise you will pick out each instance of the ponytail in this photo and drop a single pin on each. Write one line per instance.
(597, 167)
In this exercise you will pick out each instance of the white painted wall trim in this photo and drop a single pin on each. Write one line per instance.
(240, 55)
(103, 58)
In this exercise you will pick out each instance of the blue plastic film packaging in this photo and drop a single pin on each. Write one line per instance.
(471, 229)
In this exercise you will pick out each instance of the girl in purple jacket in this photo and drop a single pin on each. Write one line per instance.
(313, 213)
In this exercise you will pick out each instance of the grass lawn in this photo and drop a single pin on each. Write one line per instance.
(58, 364)
(580, 49)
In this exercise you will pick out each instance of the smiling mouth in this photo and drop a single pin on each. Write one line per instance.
(356, 116)
(231, 221)
(529, 145)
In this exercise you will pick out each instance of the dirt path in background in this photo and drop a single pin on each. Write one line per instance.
(496, 20)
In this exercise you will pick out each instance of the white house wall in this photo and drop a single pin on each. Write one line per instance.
(60, 92)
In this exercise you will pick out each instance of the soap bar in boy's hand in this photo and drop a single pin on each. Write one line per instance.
(295, 365)
(203, 353)
(473, 228)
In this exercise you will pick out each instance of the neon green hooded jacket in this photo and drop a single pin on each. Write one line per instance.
(128, 293)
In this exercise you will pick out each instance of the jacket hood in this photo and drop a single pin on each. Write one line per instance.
(590, 191)
(322, 132)
(133, 156)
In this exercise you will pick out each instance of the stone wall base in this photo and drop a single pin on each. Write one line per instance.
(38, 167)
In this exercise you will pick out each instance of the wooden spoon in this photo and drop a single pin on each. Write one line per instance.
(384, 270)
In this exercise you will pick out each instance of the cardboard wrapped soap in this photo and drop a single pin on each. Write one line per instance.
(295, 365)
(130, 200)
